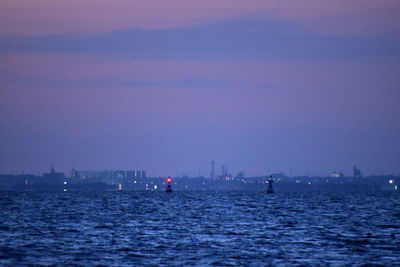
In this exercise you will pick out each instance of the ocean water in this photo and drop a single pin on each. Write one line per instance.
(123, 228)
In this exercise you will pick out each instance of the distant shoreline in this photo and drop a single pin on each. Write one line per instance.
(59, 182)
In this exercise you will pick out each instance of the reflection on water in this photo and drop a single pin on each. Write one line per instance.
(199, 228)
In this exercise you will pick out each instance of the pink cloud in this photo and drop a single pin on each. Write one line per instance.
(25, 17)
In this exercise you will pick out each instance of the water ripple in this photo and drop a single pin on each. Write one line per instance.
(199, 228)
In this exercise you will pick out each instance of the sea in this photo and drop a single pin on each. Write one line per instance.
(199, 228)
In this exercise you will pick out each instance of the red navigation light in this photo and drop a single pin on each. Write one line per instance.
(169, 180)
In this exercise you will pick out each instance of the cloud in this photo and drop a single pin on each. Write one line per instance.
(194, 82)
(42, 17)
(237, 39)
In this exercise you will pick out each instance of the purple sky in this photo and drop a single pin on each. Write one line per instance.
(304, 87)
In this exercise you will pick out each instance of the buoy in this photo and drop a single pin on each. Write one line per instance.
(270, 190)
(169, 187)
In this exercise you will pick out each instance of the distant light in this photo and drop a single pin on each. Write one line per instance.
(395, 187)
(155, 187)
(309, 182)
(390, 181)
(169, 180)
(147, 187)
(65, 182)
(120, 187)
(65, 190)
(135, 182)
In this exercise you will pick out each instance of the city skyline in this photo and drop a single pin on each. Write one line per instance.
(222, 170)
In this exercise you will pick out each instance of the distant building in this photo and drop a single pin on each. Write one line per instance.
(336, 174)
(356, 172)
(53, 175)
(108, 176)
(240, 175)
(224, 170)
(212, 173)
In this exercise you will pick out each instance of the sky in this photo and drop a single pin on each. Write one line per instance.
(301, 87)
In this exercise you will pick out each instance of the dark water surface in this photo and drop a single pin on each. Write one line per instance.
(199, 228)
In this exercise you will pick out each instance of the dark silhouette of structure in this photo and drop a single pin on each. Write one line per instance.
(224, 170)
(54, 176)
(212, 173)
(240, 175)
(169, 187)
(356, 172)
(270, 190)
